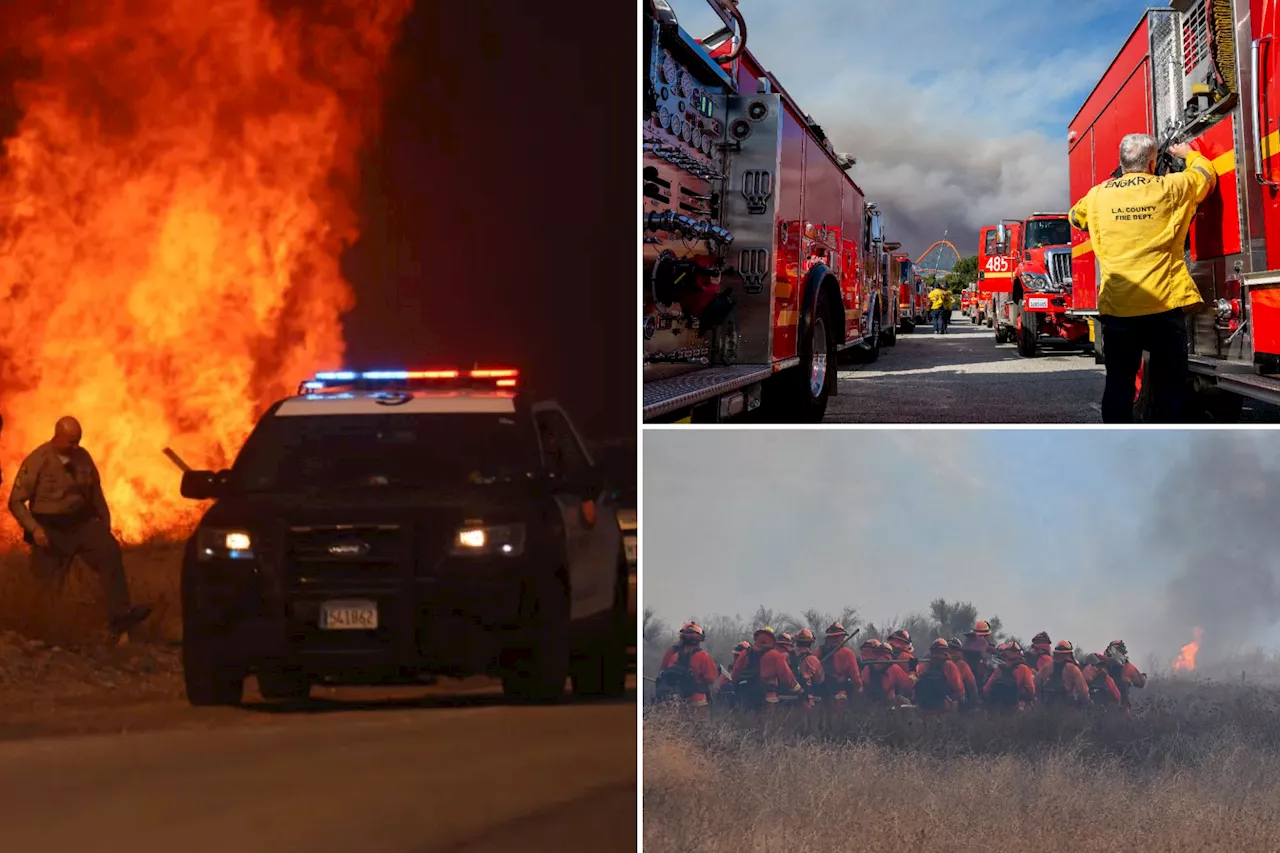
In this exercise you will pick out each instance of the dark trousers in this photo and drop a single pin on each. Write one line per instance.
(1164, 336)
(86, 536)
(937, 321)
(946, 318)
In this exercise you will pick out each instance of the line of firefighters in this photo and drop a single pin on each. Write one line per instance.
(777, 669)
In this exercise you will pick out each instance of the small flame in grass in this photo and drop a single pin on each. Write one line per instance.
(1186, 661)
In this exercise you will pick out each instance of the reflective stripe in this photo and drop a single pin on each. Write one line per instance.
(772, 698)
(842, 695)
(1210, 175)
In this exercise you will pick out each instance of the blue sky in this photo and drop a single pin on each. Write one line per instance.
(1087, 534)
(957, 112)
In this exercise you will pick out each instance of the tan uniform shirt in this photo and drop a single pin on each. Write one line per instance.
(51, 487)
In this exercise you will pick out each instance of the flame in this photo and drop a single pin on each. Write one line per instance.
(1186, 661)
(173, 206)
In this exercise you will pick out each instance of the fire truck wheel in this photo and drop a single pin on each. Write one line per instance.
(1002, 335)
(1142, 392)
(810, 385)
(1028, 335)
(907, 327)
(990, 321)
(890, 338)
(872, 350)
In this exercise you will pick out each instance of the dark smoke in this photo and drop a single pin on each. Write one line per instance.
(1213, 524)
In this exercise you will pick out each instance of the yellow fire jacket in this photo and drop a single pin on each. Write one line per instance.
(1137, 226)
(937, 297)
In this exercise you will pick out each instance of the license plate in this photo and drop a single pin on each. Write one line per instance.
(1038, 302)
(632, 545)
(349, 616)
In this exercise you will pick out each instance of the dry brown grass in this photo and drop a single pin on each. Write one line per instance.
(1194, 770)
(75, 615)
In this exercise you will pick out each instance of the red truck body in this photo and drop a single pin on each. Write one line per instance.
(1205, 72)
(1033, 302)
(791, 265)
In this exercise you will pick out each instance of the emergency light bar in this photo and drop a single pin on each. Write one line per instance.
(382, 379)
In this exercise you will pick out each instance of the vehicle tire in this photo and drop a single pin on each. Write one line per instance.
(809, 386)
(872, 349)
(1142, 409)
(1002, 336)
(284, 684)
(208, 681)
(1028, 334)
(537, 671)
(890, 338)
(990, 321)
(907, 327)
(973, 318)
(602, 672)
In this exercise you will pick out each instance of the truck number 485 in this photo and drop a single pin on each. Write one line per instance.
(997, 263)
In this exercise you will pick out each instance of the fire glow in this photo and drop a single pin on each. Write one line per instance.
(1186, 661)
(173, 206)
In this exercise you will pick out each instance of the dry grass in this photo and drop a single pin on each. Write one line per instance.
(75, 615)
(1194, 770)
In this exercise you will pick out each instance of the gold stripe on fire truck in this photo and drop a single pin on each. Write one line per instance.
(788, 318)
(1222, 164)
(997, 275)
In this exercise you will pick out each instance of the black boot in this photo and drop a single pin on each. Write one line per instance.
(129, 620)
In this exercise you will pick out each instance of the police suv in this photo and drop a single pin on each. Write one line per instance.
(385, 527)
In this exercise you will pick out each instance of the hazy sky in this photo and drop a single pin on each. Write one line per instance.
(957, 112)
(1092, 535)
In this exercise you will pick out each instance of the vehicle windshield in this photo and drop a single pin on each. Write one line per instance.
(1047, 232)
(317, 452)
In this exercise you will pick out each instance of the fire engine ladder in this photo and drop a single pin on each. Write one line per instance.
(664, 396)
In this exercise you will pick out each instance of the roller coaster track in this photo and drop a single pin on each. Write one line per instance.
(938, 258)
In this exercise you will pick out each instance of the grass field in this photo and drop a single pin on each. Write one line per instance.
(1196, 769)
(75, 614)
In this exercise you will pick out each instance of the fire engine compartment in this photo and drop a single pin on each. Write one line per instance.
(748, 215)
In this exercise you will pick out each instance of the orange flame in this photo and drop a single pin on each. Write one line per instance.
(1186, 661)
(173, 206)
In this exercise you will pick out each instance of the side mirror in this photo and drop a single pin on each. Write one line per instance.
(1002, 236)
(202, 485)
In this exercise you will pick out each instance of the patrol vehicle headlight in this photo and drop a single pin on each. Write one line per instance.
(222, 544)
(489, 540)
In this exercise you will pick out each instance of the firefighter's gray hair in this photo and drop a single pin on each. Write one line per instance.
(1137, 150)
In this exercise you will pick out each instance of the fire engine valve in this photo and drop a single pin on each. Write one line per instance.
(1226, 310)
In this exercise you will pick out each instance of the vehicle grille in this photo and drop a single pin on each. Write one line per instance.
(1058, 263)
(346, 552)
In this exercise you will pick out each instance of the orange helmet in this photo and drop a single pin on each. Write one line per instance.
(804, 638)
(741, 647)
(692, 631)
(1064, 649)
(1010, 653)
(784, 640)
(1041, 639)
(835, 629)
(982, 628)
(939, 645)
(901, 636)
(955, 644)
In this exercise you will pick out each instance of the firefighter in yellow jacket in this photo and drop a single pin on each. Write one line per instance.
(937, 307)
(1138, 224)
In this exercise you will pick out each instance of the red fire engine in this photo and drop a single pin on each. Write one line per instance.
(909, 315)
(1028, 272)
(1181, 76)
(762, 260)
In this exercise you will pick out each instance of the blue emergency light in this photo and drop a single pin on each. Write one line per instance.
(380, 379)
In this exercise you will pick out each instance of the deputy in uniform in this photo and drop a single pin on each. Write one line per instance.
(1138, 225)
(57, 499)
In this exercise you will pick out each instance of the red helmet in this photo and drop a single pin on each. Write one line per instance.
(1010, 653)
(784, 640)
(691, 630)
(902, 635)
(982, 628)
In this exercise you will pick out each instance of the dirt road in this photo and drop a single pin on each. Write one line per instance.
(451, 770)
(964, 377)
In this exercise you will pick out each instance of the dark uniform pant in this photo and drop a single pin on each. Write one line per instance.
(1162, 335)
(86, 536)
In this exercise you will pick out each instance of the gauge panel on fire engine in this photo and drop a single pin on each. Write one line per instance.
(686, 118)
